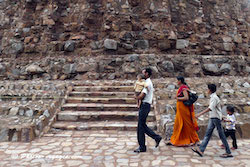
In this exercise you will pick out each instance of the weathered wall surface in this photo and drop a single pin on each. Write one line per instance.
(122, 66)
(87, 27)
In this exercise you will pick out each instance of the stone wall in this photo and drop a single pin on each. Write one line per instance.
(231, 90)
(79, 27)
(122, 66)
(28, 108)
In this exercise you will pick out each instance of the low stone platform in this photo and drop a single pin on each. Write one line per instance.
(27, 107)
(113, 149)
(231, 90)
(112, 101)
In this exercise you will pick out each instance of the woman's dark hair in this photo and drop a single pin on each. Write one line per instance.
(212, 87)
(182, 79)
(230, 108)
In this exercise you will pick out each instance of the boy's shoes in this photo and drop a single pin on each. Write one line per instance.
(222, 146)
(233, 148)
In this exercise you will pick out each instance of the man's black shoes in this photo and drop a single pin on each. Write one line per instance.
(157, 141)
(138, 150)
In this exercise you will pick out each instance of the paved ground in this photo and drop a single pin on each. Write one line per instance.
(108, 149)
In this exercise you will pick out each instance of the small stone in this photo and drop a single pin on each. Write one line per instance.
(46, 113)
(132, 57)
(246, 85)
(2, 68)
(35, 69)
(29, 113)
(65, 144)
(195, 161)
(35, 150)
(122, 160)
(69, 68)
(168, 66)
(229, 91)
(181, 43)
(164, 45)
(171, 87)
(143, 44)
(169, 162)
(4, 134)
(110, 44)
(225, 68)
(228, 46)
(69, 46)
(248, 69)
(226, 39)
(112, 76)
(73, 162)
(17, 48)
(211, 68)
(127, 46)
(111, 139)
(127, 69)
(172, 35)
(237, 39)
(14, 111)
(152, 6)
(96, 45)
(47, 21)
(156, 162)
(21, 112)
(86, 157)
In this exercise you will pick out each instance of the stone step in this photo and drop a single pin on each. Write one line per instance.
(101, 94)
(110, 100)
(101, 115)
(99, 107)
(104, 88)
(90, 133)
(99, 125)
(104, 83)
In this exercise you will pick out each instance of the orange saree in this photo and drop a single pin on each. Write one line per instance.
(185, 125)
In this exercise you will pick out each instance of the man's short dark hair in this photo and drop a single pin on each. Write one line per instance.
(212, 87)
(149, 71)
(230, 108)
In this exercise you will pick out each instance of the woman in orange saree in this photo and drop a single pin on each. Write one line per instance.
(185, 125)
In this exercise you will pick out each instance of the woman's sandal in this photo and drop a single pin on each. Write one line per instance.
(197, 152)
(226, 155)
(169, 144)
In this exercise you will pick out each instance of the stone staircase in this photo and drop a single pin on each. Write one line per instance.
(100, 107)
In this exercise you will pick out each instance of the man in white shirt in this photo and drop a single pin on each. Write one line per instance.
(215, 117)
(147, 97)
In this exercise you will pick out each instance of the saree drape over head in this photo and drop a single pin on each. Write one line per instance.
(185, 125)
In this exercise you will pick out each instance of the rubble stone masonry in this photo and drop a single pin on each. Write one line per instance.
(90, 27)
